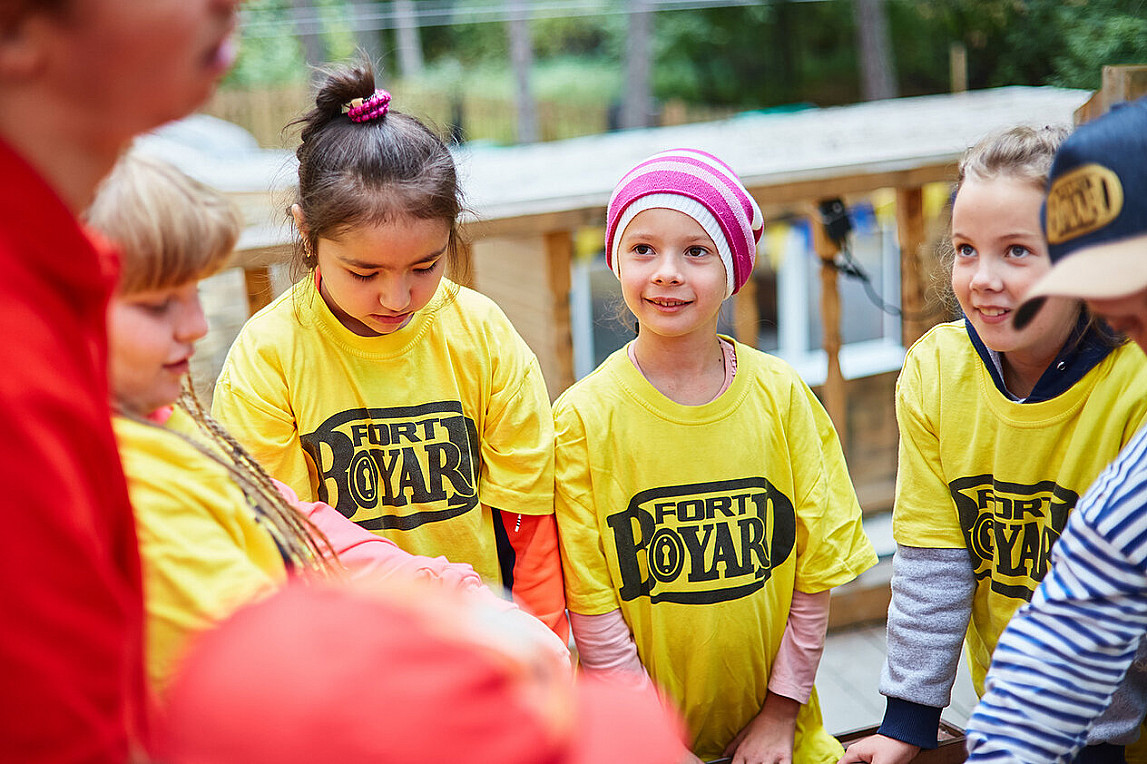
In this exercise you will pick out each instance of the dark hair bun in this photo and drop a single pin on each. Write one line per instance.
(339, 87)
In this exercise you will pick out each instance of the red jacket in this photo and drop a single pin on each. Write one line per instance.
(71, 660)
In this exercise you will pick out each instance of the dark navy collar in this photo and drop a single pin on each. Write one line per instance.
(1084, 349)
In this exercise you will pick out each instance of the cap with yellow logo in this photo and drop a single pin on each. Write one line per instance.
(1095, 216)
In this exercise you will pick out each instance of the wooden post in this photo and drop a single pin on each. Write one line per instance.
(835, 397)
(409, 36)
(259, 293)
(1120, 84)
(746, 317)
(529, 277)
(559, 258)
(958, 67)
(910, 233)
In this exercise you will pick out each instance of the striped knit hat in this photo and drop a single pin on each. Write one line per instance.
(701, 186)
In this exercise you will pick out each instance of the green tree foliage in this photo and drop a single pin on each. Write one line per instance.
(469, 44)
(1017, 42)
(981, 25)
(769, 53)
(757, 55)
(594, 37)
(269, 54)
(1096, 34)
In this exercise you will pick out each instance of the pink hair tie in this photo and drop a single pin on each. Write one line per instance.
(371, 107)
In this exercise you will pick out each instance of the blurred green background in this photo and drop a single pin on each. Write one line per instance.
(454, 63)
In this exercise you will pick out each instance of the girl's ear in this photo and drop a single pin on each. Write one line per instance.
(309, 259)
(300, 220)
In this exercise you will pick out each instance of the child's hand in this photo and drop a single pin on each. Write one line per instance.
(768, 738)
(879, 749)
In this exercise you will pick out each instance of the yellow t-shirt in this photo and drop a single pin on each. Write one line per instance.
(698, 522)
(412, 435)
(997, 477)
(202, 552)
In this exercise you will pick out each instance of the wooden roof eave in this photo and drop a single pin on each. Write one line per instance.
(776, 193)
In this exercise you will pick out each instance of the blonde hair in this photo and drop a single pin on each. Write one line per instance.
(170, 229)
(1024, 153)
(1021, 152)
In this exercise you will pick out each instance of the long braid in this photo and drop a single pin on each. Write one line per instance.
(306, 545)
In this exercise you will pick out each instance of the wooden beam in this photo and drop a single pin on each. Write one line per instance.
(911, 235)
(259, 292)
(861, 606)
(559, 257)
(823, 184)
(776, 194)
(261, 256)
(835, 396)
(522, 222)
(746, 317)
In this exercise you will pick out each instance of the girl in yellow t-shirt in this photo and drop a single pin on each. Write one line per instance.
(702, 496)
(1001, 431)
(376, 385)
(214, 530)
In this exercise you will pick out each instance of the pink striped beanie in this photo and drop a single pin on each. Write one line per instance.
(701, 186)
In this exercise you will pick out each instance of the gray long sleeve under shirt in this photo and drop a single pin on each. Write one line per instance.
(932, 591)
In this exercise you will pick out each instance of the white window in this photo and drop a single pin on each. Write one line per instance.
(869, 325)
(788, 285)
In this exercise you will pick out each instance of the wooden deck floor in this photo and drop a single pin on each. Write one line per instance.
(850, 674)
(850, 669)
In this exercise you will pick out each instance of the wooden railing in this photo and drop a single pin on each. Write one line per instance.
(1120, 84)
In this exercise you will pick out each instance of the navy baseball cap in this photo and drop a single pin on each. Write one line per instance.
(1095, 215)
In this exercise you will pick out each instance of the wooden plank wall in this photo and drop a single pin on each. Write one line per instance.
(528, 276)
(871, 439)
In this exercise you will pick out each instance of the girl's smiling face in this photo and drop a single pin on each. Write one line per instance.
(152, 337)
(672, 277)
(375, 277)
(999, 253)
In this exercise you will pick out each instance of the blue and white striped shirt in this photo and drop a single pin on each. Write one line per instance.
(1064, 653)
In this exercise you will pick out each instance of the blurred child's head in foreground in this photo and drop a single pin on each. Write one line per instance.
(408, 676)
(169, 228)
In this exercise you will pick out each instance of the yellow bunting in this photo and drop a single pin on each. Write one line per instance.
(884, 206)
(775, 241)
(936, 197)
(588, 242)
